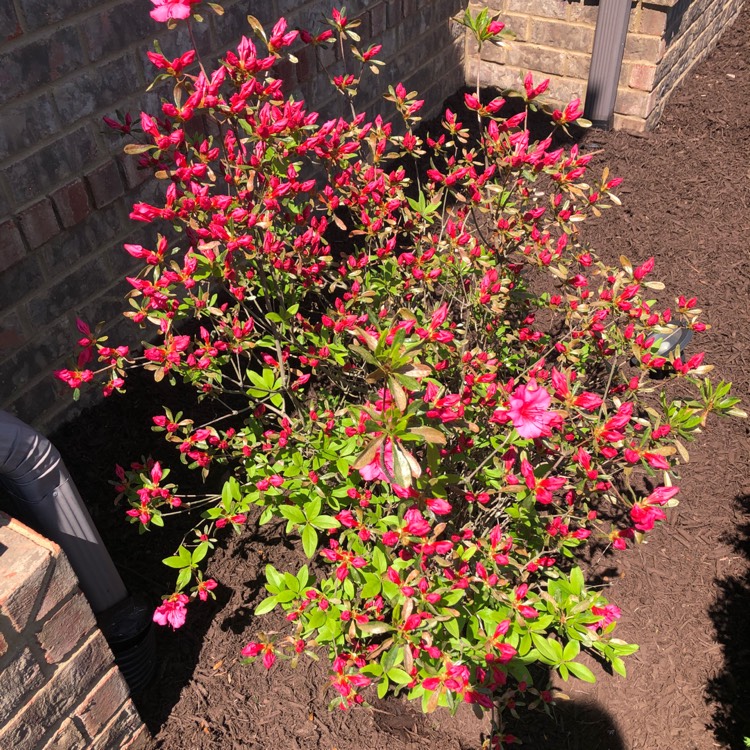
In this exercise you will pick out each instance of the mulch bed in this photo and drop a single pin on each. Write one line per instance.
(685, 594)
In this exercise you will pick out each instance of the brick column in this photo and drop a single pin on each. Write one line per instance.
(59, 686)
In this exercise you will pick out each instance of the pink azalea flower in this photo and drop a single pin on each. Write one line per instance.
(374, 471)
(529, 411)
(439, 506)
(166, 10)
(609, 613)
(172, 611)
(416, 523)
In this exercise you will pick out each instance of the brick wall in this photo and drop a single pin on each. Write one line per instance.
(59, 687)
(65, 187)
(555, 38)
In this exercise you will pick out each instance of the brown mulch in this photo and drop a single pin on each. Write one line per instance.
(685, 595)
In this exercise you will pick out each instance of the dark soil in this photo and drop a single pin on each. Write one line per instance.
(685, 595)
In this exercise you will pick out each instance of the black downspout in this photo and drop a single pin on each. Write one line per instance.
(606, 61)
(42, 494)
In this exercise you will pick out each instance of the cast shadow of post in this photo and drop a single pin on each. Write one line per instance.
(572, 725)
(729, 691)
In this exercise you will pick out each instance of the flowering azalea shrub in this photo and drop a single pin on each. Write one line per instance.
(430, 379)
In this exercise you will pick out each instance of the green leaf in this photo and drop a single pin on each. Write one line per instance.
(369, 453)
(174, 562)
(137, 148)
(286, 596)
(372, 670)
(309, 540)
(571, 650)
(257, 27)
(342, 466)
(399, 676)
(430, 434)
(200, 552)
(292, 513)
(545, 649)
(303, 577)
(183, 579)
(274, 577)
(391, 658)
(453, 628)
(269, 379)
(581, 671)
(374, 628)
(266, 605)
(577, 581)
(618, 665)
(383, 688)
(312, 509)
(325, 522)
(256, 379)
(372, 586)
(621, 648)
(349, 588)
(291, 582)
(379, 561)
(401, 469)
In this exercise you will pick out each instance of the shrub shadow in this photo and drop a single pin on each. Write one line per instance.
(572, 725)
(729, 691)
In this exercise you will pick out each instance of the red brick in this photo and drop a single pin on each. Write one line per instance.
(12, 248)
(119, 730)
(642, 77)
(18, 678)
(33, 536)
(39, 223)
(61, 582)
(393, 8)
(67, 737)
(647, 48)
(653, 22)
(141, 740)
(327, 55)
(72, 203)
(22, 576)
(563, 36)
(306, 65)
(106, 184)
(377, 21)
(65, 629)
(531, 57)
(634, 103)
(518, 24)
(543, 8)
(103, 702)
(65, 690)
(9, 22)
(133, 175)
(284, 70)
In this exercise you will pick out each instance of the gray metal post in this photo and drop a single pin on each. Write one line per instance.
(606, 61)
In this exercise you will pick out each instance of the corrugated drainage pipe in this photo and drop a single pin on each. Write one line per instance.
(43, 495)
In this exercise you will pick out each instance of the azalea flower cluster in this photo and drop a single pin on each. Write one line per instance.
(444, 405)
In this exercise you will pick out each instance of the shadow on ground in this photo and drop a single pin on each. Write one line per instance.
(729, 691)
(573, 725)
